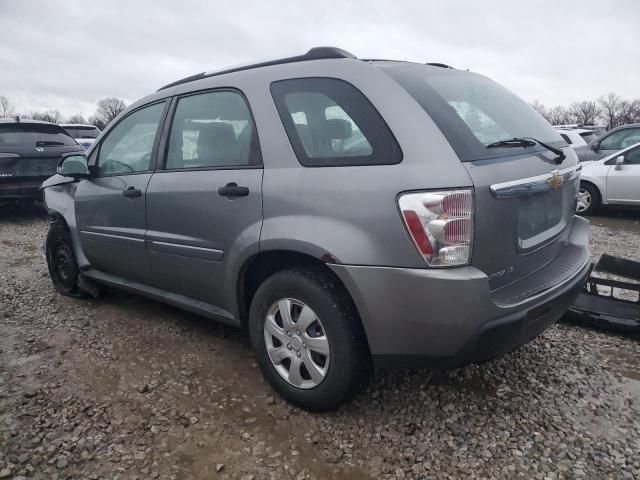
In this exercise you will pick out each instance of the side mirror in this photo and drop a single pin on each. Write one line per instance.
(594, 146)
(619, 162)
(74, 166)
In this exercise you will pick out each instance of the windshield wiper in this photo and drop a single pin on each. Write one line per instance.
(528, 142)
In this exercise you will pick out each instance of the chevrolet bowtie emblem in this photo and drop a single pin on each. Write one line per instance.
(555, 180)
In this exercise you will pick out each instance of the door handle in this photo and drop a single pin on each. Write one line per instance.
(232, 190)
(132, 192)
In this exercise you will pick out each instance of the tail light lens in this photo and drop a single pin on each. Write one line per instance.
(440, 225)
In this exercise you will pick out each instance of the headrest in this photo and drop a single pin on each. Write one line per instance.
(337, 128)
(217, 133)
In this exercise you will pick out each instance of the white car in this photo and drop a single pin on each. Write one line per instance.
(85, 135)
(612, 180)
(576, 137)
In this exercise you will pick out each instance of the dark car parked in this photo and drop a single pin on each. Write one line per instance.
(29, 154)
(609, 142)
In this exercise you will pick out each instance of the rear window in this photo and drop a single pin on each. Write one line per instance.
(330, 123)
(471, 110)
(30, 134)
(566, 138)
(82, 132)
(588, 136)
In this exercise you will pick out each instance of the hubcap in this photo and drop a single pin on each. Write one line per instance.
(297, 343)
(584, 200)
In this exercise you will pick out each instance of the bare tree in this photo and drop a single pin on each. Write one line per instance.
(559, 115)
(52, 116)
(610, 109)
(585, 112)
(109, 108)
(539, 107)
(77, 118)
(97, 122)
(6, 107)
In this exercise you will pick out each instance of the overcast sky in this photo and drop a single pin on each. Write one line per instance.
(65, 55)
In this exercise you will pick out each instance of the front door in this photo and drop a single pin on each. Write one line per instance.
(623, 181)
(204, 205)
(110, 205)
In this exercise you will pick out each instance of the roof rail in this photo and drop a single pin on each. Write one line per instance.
(441, 65)
(316, 53)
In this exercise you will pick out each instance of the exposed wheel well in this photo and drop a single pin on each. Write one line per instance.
(261, 266)
(591, 184)
(55, 217)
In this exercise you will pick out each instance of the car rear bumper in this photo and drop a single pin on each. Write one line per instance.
(449, 317)
(21, 190)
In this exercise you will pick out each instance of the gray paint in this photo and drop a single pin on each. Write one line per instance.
(184, 244)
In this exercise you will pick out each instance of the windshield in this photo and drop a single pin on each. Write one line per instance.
(83, 132)
(33, 134)
(472, 111)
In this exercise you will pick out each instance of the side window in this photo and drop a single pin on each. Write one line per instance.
(330, 123)
(621, 139)
(129, 146)
(632, 157)
(210, 130)
(566, 138)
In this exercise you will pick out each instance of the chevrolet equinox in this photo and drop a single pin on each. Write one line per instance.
(347, 212)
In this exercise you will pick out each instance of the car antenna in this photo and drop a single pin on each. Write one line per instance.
(17, 118)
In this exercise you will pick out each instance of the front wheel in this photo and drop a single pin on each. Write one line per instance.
(61, 261)
(588, 199)
(308, 340)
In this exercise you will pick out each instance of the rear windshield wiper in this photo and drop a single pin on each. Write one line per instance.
(49, 143)
(528, 142)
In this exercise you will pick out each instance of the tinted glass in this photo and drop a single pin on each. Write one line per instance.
(212, 130)
(621, 139)
(129, 146)
(566, 138)
(471, 110)
(30, 134)
(588, 136)
(331, 123)
(632, 157)
(83, 132)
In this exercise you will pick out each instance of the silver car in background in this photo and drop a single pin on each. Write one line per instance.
(347, 212)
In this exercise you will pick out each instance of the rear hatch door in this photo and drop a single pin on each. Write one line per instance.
(30, 152)
(524, 193)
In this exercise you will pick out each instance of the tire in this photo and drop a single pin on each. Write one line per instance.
(347, 364)
(588, 199)
(61, 261)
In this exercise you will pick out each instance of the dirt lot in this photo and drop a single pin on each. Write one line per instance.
(123, 387)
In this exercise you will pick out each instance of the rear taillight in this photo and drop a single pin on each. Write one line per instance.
(440, 225)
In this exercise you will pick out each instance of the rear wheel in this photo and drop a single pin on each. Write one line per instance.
(61, 261)
(308, 340)
(588, 199)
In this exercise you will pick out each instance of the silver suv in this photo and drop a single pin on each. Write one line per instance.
(347, 212)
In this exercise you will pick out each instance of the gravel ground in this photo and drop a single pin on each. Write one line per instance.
(126, 388)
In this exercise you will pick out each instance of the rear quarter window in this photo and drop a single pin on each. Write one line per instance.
(331, 123)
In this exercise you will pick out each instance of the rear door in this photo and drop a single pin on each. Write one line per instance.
(30, 152)
(110, 205)
(204, 203)
(623, 182)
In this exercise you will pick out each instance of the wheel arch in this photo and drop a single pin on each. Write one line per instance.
(257, 268)
(595, 185)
